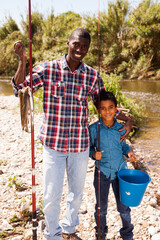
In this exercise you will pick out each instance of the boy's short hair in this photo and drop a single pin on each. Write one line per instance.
(105, 95)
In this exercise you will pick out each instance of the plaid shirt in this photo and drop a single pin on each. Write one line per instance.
(65, 103)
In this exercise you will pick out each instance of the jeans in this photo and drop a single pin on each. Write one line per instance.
(127, 228)
(54, 165)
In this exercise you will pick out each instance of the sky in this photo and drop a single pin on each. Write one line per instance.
(16, 8)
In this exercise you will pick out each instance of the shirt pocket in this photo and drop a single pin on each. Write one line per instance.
(58, 89)
(81, 94)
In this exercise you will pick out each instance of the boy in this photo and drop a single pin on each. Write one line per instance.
(112, 160)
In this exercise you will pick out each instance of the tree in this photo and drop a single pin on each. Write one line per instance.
(8, 27)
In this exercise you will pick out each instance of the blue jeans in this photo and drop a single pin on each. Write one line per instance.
(54, 165)
(127, 228)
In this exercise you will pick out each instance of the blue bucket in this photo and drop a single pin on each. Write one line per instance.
(132, 186)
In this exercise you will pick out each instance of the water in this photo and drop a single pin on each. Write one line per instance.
(147, 92)
(5, 87)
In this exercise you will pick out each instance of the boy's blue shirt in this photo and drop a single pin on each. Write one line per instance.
(114, 149)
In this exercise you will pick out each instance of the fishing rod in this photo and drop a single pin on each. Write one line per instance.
(34, 217)
(99, 149)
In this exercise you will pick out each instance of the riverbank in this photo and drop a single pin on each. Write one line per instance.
(15, 199)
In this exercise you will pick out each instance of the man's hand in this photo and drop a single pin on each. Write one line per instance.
(127, 125)
(97, 155)
(20, 50)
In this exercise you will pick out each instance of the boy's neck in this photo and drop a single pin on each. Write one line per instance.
(108, 123)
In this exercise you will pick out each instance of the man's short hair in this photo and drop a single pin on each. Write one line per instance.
(105, 95)
(82, 33)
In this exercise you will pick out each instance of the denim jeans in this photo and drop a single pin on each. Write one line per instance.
(54, 165)
(127, 228)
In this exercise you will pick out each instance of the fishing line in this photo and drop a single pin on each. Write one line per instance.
(99, 188)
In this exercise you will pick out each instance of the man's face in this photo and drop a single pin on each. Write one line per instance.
(77, 48)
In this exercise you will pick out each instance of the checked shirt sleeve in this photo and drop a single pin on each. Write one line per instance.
(96, 88)
(37, 78)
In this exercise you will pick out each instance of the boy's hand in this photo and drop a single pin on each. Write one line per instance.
(132, 156)
(97, 155)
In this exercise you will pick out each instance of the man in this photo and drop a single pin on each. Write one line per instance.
(67, 84)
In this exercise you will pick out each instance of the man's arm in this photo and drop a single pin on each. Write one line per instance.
(20, 51)
(127, 125)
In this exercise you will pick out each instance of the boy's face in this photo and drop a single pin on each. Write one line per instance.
(107, 110)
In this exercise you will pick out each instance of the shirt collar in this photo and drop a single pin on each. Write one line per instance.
(65, 65)
(115, 125)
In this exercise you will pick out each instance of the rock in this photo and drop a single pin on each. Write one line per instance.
(156, 237)
(25, 206)
(153, 202)
(110, 235)
(152, 230)
(17, 238)
(86, 225)
(5, 226)
(17, 162)
(28, 234)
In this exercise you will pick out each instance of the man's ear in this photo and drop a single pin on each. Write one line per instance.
(68, 43)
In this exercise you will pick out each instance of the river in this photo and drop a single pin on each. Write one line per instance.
(147, 92)
(5, 87)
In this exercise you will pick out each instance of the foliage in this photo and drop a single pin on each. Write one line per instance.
(38, 101)
(111, 83)
(126, 38)
(9, 27)
(14, 218)
(13, 182)
(143, 32)
(129, 42)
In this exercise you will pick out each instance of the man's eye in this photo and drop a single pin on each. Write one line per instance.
(76, 44)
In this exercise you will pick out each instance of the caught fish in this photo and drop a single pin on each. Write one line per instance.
(25, 107)
(139, 165)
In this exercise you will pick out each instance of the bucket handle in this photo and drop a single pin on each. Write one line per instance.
(122, 165)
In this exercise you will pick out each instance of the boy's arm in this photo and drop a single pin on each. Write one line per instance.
(128, 152)
(92, 133)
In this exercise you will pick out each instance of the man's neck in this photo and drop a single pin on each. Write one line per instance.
(73, 65)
